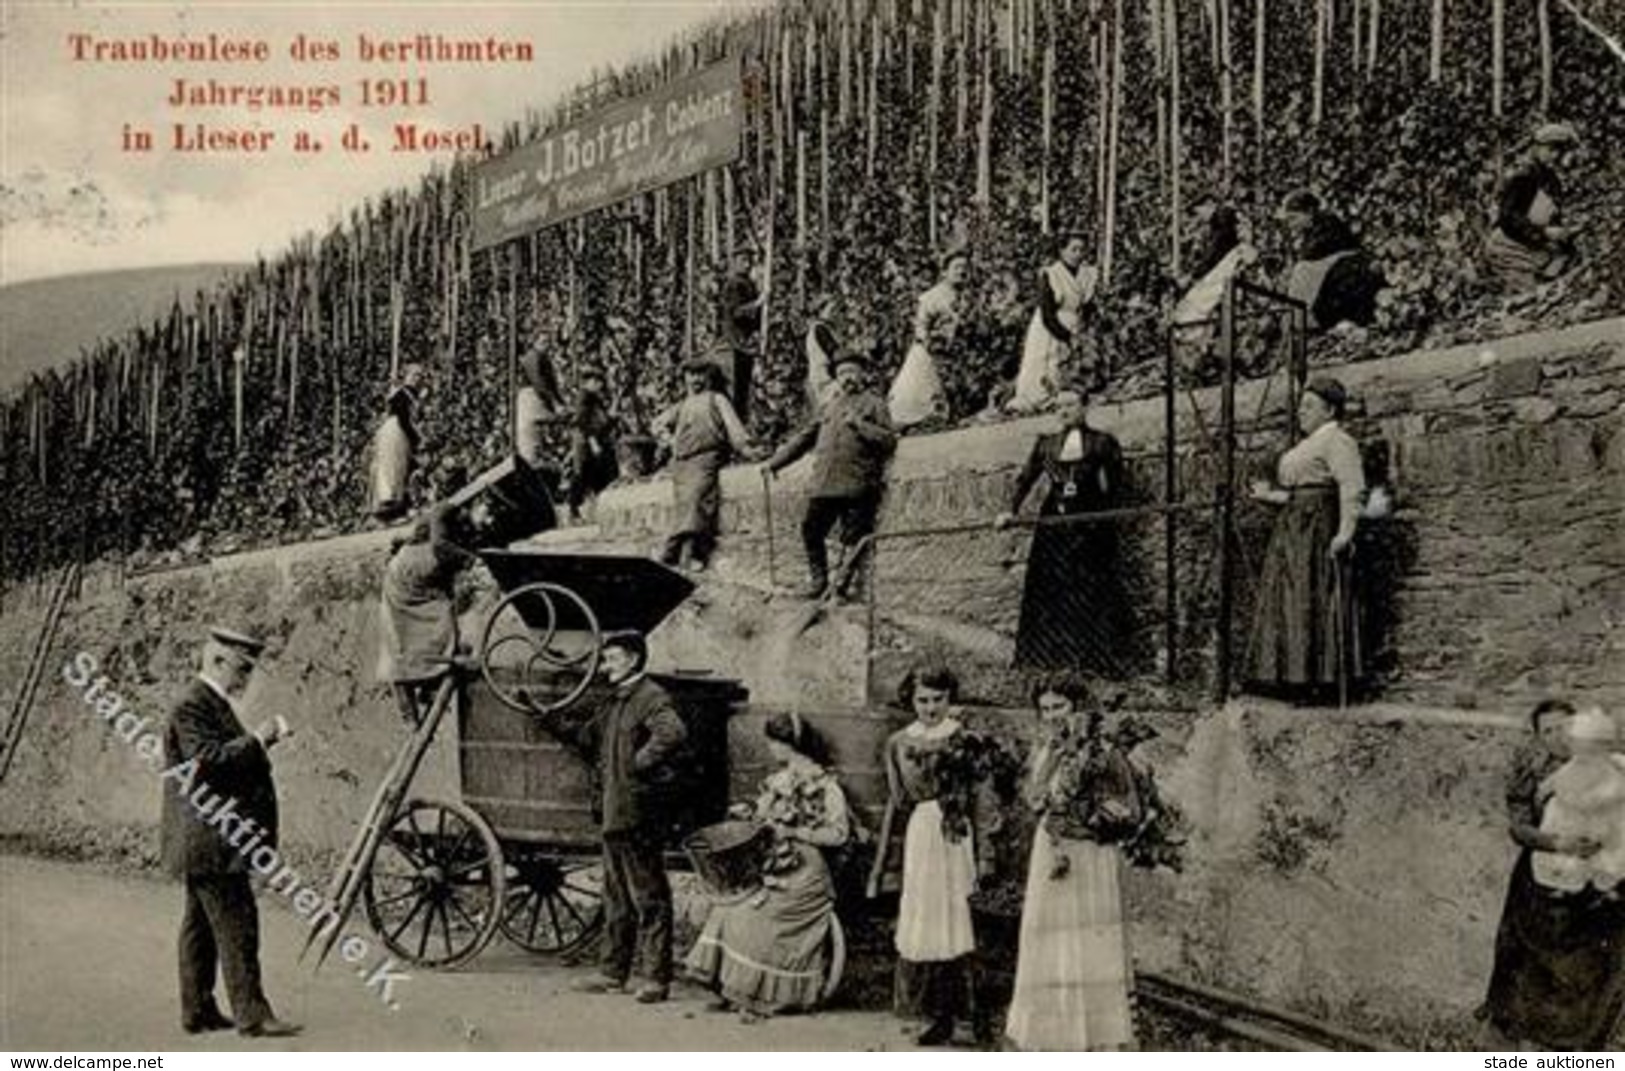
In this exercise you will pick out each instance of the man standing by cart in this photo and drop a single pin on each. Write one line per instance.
(633, 740)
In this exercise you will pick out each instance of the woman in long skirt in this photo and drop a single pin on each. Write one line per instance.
(945, 846)
(1306, 622)
(1066, 288)
(1074, 612)
(765, 952)
(1559, 978)
(1073, 970)
(917, 396)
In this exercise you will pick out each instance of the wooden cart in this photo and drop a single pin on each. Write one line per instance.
(518, 851)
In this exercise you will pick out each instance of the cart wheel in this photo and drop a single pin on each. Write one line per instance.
(555, 905)
(437, 884)
(837, 958)
(554, 666)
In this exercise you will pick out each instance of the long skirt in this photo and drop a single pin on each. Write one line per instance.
(933, 918)
(1074, 613)
(1559, 976)
(916, 394)
(1511, 263)
(767, 950)
(1043, 360)
(1301, 628)
(1072, 976)
(697, 494)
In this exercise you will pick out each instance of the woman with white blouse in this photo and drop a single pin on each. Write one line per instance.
(1305, 635)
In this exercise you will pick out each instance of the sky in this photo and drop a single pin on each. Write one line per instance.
(72, 200)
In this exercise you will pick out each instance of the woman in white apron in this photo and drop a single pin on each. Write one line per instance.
(917, 395)
(1065, 289)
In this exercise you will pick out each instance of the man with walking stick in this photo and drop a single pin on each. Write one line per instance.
(854, 439)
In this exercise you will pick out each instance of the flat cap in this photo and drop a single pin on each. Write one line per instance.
(239, 638)
(1556, 134)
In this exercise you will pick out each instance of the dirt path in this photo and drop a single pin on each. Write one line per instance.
(87, 962)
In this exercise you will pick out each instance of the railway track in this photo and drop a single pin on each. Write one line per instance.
(1231, 1016)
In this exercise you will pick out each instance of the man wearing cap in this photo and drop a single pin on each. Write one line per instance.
(632, 741)
(1530, 242)
(226, 805)
(854, 439)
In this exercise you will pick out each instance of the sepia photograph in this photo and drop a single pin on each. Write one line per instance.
(735, 526)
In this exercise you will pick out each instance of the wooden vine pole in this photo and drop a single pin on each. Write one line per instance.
(1322, 31)
(1116, 106)
(1374, 37)
(1170, 30)
(1227, 94)
(767, 270)
(1048, 124)
(984, 131)
(1543, 14)
(802, 243)
(1436, 43)
(1498, 15)
(1102, 124)
(1260, 33)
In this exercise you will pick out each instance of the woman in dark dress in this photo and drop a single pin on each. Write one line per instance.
(1073, 612)
(1305, 634)
(1559, 979)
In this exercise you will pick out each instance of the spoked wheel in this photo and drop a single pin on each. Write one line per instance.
(435, 890)
(550, 645)
(555, 905)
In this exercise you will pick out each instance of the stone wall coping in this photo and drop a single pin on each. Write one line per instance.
(1137, 423)
(1383, 713)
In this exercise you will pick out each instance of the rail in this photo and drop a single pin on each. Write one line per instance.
(1246, 1017)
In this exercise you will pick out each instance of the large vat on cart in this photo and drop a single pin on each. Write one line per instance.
(518, 850)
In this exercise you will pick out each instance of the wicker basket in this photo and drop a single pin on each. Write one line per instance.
(728, 856)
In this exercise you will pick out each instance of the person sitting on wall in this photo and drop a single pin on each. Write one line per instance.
(418, 614)
(704, 433)
(854, 439)
(1530, 244)
(1333, 276)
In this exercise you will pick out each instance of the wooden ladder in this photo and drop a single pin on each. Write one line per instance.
(23, 704)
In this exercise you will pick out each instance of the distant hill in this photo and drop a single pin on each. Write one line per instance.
(44, 322)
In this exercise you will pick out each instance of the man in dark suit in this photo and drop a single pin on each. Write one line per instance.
(219, 811)
(632, 740)
(854, 439)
